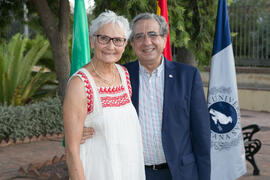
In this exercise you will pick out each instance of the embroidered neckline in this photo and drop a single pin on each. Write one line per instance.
(103, 87)
(118, 101)
(112, 96)
(111, 90)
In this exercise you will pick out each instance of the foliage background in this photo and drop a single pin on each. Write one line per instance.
(192, 26)
(31, 120)
(192, 23)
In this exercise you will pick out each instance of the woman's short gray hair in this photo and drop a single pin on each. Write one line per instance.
(109, 17)
(145, 16)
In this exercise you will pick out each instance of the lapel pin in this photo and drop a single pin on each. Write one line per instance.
(170, 76)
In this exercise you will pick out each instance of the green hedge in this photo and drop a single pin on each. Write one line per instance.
(31, 120)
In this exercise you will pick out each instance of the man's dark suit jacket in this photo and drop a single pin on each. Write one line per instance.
(185, 122)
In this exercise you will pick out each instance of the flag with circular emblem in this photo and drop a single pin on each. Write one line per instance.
(227, 147)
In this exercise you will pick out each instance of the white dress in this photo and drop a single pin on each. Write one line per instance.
(115, 151)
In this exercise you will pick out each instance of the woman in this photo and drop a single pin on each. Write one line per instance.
(98, 96)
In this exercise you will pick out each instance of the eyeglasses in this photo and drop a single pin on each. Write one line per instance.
(141, 36)
(117, 41)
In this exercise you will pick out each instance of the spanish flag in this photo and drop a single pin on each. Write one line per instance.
(162, 11)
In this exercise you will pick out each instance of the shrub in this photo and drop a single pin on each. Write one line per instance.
(31, 120)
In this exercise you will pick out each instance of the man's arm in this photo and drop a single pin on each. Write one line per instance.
(200, 127)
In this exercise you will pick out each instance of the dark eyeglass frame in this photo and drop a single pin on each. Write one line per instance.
(115, 40)
(151, 34)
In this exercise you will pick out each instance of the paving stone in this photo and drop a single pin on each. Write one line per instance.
(33, 172)
(14, 156)
(23, 170)
(38, 166)
(55, 176)
(34, 139)
(45, 175)
(55, 159)
(47, 163)
(3, 143)
(262, 158)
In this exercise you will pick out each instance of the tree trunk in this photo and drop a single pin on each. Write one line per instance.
(61, 64)
(57, 34)
(185, 56)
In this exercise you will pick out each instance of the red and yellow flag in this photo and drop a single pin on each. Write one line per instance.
(162, 11)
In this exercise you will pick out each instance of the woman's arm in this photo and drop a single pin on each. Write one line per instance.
(74, 114)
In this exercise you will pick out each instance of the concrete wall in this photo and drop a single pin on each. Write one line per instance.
(253, 87)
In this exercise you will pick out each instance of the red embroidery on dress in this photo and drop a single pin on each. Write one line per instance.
(117, 101)
(89, 92)
(111, 90)
(128, 81)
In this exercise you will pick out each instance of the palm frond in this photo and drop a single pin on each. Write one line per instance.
(18, 82)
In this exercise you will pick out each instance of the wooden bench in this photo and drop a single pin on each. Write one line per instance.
(252, 146)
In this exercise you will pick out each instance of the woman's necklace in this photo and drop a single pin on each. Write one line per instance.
(110, 82)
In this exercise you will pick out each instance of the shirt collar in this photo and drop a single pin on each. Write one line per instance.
(156, 72)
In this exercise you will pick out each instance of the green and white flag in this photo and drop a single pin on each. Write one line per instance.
(80, 43)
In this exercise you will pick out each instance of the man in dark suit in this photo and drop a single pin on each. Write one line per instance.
(171, 106)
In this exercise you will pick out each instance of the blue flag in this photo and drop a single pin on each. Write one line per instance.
(227, 147)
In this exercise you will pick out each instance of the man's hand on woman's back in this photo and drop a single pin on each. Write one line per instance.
(88, 132)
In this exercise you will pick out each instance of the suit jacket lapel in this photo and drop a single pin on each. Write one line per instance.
(135, 82)
(169, 78)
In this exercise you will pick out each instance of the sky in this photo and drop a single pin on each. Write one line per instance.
(88, 3)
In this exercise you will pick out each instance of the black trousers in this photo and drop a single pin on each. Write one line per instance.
(161, 174)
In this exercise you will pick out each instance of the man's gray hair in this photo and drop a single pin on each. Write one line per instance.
(106, 18)
(145, 16)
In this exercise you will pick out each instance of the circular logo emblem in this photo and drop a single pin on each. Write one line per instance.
(223, 117)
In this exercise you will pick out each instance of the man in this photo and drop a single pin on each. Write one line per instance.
(171, 106)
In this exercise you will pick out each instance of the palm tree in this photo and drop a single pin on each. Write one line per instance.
(18, 82)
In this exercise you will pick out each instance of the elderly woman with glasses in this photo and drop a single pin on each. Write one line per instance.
(98, 95)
